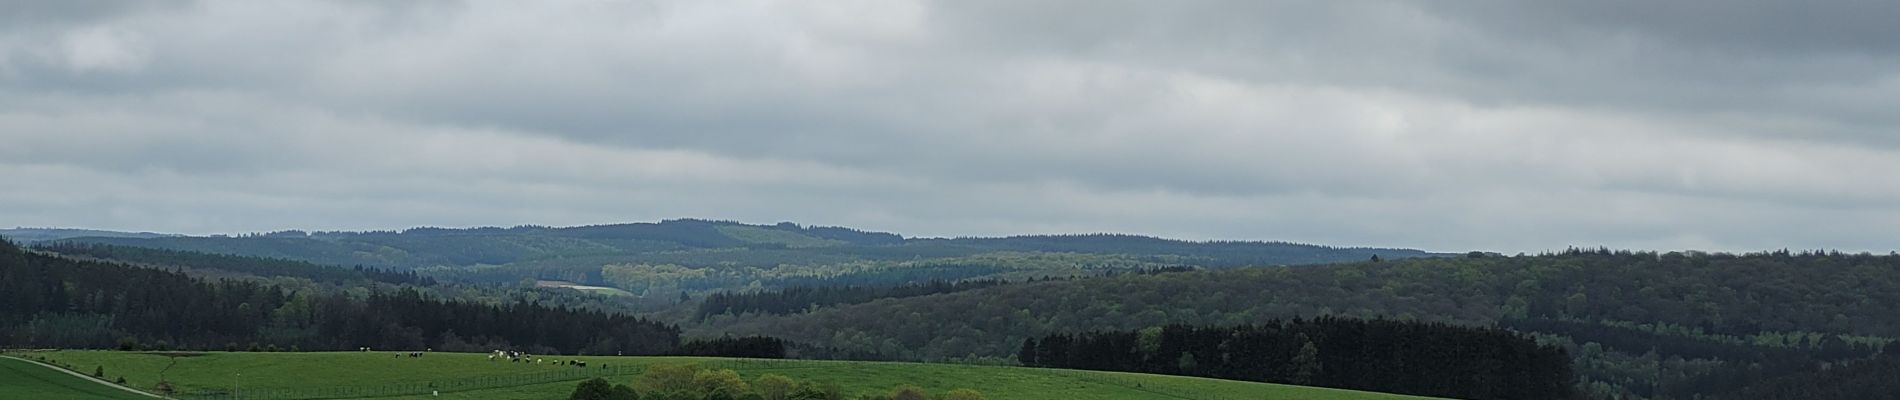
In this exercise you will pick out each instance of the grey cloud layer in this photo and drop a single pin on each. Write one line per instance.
(1508, 125)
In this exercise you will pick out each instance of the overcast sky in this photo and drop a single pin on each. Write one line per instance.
(1506, 125)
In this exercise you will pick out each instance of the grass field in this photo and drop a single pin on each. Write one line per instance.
(25, 380)
(472, 376)
(584, 288)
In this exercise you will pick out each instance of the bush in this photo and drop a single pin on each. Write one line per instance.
(592, 389)
(720, 384)
(623, 392)
(813, 391)
(963, 394)
(775, 386)
(909, 392)
(667, 378)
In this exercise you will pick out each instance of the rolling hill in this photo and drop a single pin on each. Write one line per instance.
(427, 247)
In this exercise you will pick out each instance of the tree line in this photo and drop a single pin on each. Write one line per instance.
(1865, 380)
(1427, 359)
(742, 347)
(805, 298)
(261, 266)
(1722, 364)
(693, 382)
(60, 302)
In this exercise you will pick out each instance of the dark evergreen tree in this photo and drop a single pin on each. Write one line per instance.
(743, 347)
(1425, 359)
(1027, 356)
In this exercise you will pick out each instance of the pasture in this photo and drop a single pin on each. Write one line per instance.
(27, 380)
(474, 376)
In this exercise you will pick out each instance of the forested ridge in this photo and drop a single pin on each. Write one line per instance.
(1636, 325)
(778, 243)
(805, 298)
(1877, 379)
(1427, 359)
(1803, 306)
(260, 266)
(661, 262)
(59, 302)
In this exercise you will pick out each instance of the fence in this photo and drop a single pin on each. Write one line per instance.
(1176, 392)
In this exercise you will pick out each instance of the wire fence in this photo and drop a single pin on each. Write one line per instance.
(1168, 391)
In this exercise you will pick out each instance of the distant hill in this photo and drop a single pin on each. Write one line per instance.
(34, 235)
(739, 243)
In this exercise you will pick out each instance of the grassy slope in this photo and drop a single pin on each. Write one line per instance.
(304, 370)
(24, 380)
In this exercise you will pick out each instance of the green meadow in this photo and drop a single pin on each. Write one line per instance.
(474, 376)
(25, 380)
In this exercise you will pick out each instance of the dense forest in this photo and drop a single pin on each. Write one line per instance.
(259, 266)
(1426, 359)
(1867, 380)
(1810, 308)
(59, 302)
(805, 298)
(747, 347)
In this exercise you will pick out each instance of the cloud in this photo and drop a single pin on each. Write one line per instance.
(1450, 126)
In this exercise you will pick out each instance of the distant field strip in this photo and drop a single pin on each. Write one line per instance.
(23, 379)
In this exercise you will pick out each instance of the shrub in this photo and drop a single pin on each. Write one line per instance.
(723, 383)
(909, 392)
(623, 392)
(592, 389)
(775, 386)
(963, 394)
(667, 378)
